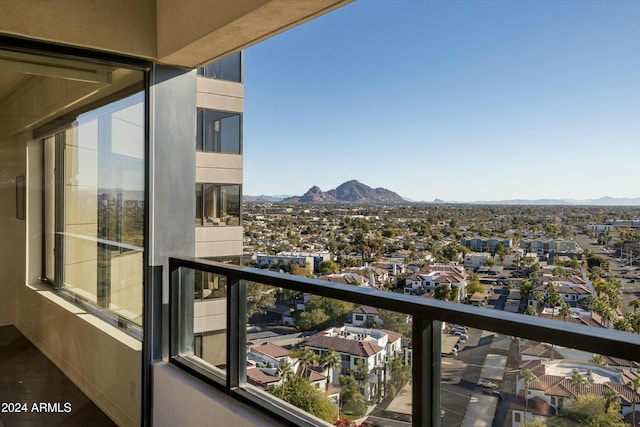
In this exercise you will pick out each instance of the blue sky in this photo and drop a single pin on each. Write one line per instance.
(457, 100)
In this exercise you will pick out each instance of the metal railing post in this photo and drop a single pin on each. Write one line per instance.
(236, 331)
(425, 386)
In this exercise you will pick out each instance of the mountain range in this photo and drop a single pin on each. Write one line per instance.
(348, 192)
(357, 192)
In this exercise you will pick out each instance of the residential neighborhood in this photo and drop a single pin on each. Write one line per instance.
(533, 263)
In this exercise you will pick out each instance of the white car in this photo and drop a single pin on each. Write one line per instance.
(462, 335)
(486, 383)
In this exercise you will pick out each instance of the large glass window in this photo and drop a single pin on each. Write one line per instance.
(218, 131)
(217, 204)
(94, 221)
(228, 68)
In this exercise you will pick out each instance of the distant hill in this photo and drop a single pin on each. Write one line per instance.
(602, 201)
(348, 192)
(263, 198)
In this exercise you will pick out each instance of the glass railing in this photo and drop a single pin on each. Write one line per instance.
(321, 353)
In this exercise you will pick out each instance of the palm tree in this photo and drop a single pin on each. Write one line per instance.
(635, 385)
(329, 361)
(635, 304)
(612, 399)
(285, 372)
(577, 379)
(307, 357)
(528, 377)
(565, 311)
(590, 302)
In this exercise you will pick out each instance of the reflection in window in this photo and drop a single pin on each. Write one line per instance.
(228, 68)
(217, 204)
(99, 256)
(218, 131)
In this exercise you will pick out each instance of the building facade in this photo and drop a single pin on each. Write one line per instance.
(105, 127)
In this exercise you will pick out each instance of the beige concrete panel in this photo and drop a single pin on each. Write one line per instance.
(12, 230)
(81, 206)
(220, 102)
(220, 87)
(126, 285)
(82, 277)
(210, 315)
(192, 32)
(219, 176)
(80, 250)
(178, 396)
(214, 347)
(219, 160)
(209, 249)
(122, 26)
(219, 233)
(101, 360)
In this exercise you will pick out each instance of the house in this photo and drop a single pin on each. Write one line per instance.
(365, 316)
(554, 384)
(360, 349)
(430, 277)
(475, 260)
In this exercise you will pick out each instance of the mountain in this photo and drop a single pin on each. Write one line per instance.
(348, 192)
(602, 201)
(263, 198)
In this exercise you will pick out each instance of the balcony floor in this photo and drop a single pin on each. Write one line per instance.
(28, 377)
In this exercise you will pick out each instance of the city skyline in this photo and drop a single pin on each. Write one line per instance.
(461, 101)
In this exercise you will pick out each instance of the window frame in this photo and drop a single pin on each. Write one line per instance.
(201, 205)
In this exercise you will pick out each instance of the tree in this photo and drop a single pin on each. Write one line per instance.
(528, 377)
(525, 289)
(328, 267)
(301, 393)
(587, 409)
(351, 400)
(531, 311)
(577, 379)
(259, 297)
(442, 292)
(311, 319)
(635, 304)
(285, 372)
(565, 311)
(329, 361)
(306, 357)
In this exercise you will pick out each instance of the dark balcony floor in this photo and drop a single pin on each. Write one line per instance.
(28, 378)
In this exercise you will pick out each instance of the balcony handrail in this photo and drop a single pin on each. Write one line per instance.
(603, 341)
(426, 330)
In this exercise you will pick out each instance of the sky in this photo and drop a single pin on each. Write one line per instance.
(450, 99)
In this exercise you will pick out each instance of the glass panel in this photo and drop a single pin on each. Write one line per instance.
(50, 207)
(221, 204)
(220, 132)
(315, 354)
(228, 68)
(104, 207)
(204, 329)
(199, 205)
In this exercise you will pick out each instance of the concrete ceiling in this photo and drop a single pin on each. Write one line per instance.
(185, 33)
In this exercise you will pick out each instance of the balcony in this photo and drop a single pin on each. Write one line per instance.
(454, 379)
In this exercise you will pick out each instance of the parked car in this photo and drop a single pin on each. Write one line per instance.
(486, 383)
(462, 335)
(466, 329)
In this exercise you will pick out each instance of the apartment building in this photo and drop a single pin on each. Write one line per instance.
(105, 127)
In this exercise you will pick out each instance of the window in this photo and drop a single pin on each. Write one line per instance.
(228, 68)
(517, 417)
(94, 216)
(217, 204)
(218, 131)
(359, 317)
